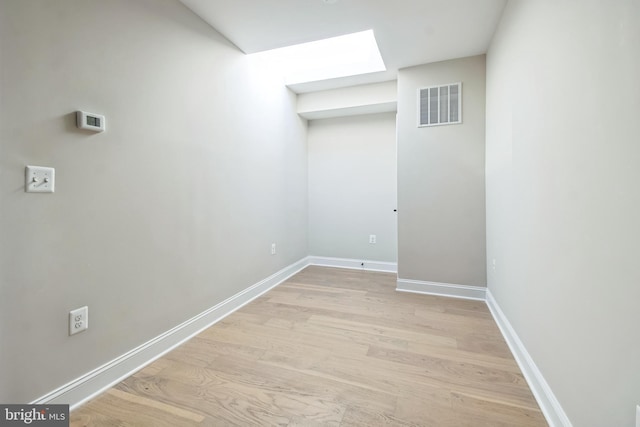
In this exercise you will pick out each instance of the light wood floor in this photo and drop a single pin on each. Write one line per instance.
(331, 347)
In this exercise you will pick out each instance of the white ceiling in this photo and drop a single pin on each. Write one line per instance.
(409, 32)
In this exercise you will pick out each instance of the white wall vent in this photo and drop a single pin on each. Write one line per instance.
(440, 105)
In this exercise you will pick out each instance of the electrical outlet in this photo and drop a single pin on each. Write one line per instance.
(39, 179)
(493, 264)
(273, 249)
(372, 239)
(78, 320)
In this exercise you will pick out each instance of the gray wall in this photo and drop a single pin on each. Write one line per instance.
(170, 211)
(352, 187)
(441, 197)
(563, 204)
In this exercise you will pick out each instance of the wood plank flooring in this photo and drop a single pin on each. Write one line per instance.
(331, 347)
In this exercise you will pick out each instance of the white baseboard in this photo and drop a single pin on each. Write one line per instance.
(356, 264)
(95, 382)
(441, 289)
(547, 401)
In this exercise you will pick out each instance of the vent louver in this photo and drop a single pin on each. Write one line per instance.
(440, 105)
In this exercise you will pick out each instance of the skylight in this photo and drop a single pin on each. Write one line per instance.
(341, 56)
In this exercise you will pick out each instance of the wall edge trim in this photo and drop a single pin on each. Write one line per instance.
(450, 290)
(354, 264)
(541, 390)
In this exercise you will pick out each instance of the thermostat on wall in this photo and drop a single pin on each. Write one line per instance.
(90, 121)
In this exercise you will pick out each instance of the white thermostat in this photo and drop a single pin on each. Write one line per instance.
(90, 121)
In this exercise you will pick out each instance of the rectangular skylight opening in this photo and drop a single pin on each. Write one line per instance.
(342, 56)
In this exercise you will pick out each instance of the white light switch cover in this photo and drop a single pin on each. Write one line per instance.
(39, 179)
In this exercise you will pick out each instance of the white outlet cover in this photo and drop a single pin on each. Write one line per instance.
(39, 179)
(78, 320)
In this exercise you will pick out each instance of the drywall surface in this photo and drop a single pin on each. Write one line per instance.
(352, 187)
(355, 100)
(441, 198)
(170, 211)
(562, 197)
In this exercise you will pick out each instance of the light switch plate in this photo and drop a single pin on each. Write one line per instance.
(39, 179)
